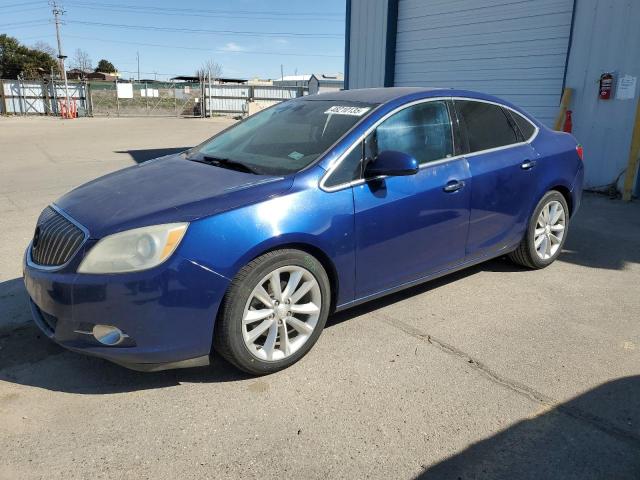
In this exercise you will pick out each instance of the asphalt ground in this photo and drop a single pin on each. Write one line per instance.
(492, 372)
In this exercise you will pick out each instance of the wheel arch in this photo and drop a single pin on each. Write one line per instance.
(566, 193)
(319, 255)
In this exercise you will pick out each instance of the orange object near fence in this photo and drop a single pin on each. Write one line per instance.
(72, 112)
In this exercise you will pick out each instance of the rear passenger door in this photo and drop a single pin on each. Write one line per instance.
(503, 176)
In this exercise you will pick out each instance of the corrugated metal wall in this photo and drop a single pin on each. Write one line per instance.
(367, 40)
(605, 39)
(510, 48)
(518, 50)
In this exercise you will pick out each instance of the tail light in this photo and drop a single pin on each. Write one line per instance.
(579, 151)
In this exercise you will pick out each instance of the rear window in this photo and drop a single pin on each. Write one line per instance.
(527, 129)
(487, 125)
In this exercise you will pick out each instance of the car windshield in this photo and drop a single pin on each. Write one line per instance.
(282, 139)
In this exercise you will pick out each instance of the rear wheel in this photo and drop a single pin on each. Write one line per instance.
(273, 312)
(546, 233)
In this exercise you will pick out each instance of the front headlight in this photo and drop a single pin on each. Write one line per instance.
(132, 250)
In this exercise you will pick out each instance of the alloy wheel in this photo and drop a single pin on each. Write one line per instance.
(549, 231)
(281, 313)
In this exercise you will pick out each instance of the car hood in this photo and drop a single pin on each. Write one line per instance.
(165, 190)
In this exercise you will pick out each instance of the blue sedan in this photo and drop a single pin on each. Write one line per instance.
(246, 243)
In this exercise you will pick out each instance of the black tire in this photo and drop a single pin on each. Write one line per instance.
(526, 254)
(228, 340)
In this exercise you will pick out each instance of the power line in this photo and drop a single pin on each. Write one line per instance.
(192, 13)
(203, 31)
(34, 37)
(203, 49)
(207, 11)
(23, 4)
(27, 26)
(26, 22)
(22, 10)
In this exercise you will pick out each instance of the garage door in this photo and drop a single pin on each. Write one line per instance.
(516, 50)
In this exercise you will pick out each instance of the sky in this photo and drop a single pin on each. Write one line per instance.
(249, 38)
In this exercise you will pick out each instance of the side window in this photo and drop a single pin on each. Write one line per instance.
(526, 127)
(422, 131)
(486, 124)
(348, 170)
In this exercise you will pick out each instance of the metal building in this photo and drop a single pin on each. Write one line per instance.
(314, 82)
(524, 51)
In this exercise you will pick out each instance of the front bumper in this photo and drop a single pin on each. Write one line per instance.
(168, 312)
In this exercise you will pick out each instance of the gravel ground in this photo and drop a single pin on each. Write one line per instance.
(493, 372)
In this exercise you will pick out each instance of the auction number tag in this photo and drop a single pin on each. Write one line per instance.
(344, 110)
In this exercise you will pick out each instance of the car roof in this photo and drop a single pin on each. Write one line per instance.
(372, 95)
(384, 95)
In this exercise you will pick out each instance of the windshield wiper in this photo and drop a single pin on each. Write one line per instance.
(225, 163)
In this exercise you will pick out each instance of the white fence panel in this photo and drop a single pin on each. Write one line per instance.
(29, 97)
(226, 105)
(228, 91)
(14, 105)
(283, 93)
(75, 91)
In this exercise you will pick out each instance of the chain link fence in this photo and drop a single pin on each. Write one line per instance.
(180, 99)
(139, 99)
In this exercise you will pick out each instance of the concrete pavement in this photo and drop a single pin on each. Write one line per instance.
(493, 372)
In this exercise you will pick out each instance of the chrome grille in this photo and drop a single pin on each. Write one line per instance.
(55, 240)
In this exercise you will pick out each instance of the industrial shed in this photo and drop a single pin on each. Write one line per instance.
(314, 82)
(526, 52)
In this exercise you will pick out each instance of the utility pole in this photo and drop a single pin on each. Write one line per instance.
(138, 58)
(57, 12)
(281, 72)
(209, 106)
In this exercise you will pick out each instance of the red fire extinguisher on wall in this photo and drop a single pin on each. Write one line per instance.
(606, 85)
(568, 122)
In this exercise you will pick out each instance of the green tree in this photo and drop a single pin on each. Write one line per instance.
(105, 66)
(17, 59)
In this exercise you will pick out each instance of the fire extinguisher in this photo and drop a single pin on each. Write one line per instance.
(568, 122)
(606, 85)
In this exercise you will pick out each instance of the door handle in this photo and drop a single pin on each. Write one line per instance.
(528, 164)
(453, 186)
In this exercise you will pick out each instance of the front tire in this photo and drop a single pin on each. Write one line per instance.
(273, 312)
(546, 233)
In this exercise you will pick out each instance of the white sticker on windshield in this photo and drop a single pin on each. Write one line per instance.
(344, 110)
(296, 155)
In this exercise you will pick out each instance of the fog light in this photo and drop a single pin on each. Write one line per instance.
(108, 335)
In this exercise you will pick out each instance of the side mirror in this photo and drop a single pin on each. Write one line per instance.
(392, 163)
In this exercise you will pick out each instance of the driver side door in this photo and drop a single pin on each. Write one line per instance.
(410, 227)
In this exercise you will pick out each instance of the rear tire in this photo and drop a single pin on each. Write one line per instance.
(273, 312)
(546, 233)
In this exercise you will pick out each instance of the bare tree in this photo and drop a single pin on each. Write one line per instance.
(81, 60)
(44, 47)
(209, 68)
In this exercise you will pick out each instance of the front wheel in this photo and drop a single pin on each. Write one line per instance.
(546, 233)
(273, 312)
